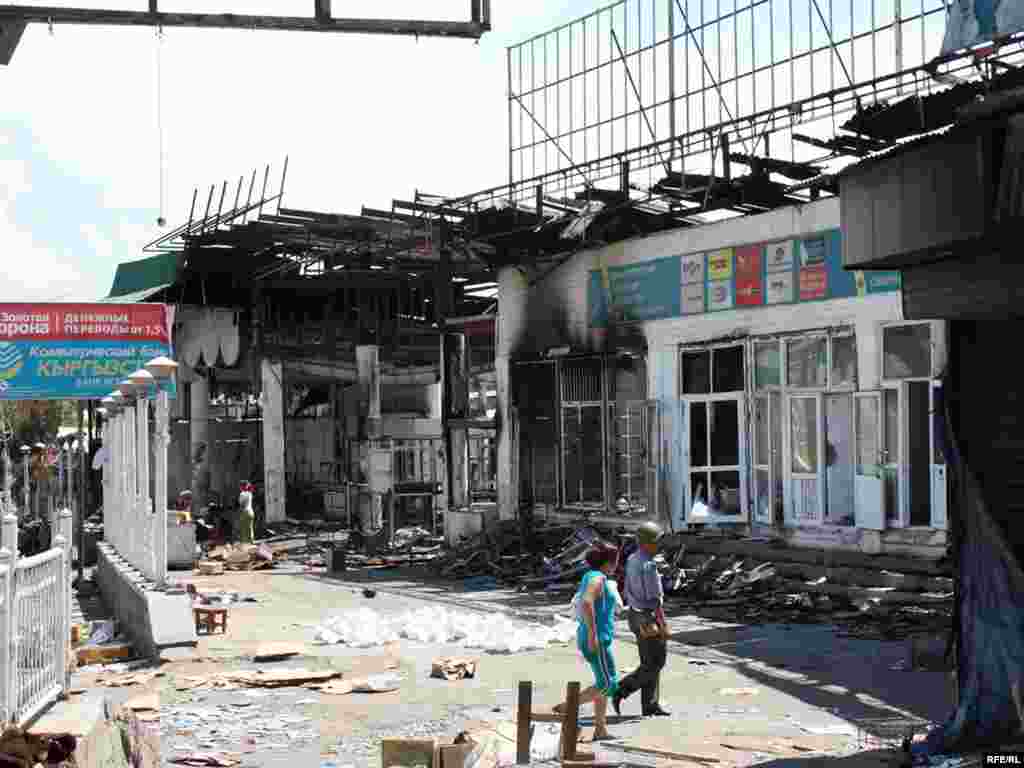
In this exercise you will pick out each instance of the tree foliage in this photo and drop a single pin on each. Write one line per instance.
(33, 421)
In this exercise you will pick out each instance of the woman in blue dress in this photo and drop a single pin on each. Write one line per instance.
(596, 613)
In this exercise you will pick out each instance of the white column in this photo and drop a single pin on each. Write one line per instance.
(131, 488)
(511, 329)
(144, 509)
(199, 445)
(272, 374)
(160, 442)
(368, 386)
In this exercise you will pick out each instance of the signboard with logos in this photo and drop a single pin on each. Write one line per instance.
(78, 351)
(792, 271)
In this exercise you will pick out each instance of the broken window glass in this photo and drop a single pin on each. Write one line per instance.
(696, 371)
(767, 364)
(728, 369)
(807, 362)
(908, 351)
(844, 361)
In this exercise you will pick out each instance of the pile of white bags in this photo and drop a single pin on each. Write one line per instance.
(493, 633)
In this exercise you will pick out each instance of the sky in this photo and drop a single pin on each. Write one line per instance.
(362, 119)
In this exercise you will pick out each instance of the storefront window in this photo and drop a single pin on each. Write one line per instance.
(727, 365)
(696, 371)
(767, 364)
(844, 361)
(907, 351)
(807, 362)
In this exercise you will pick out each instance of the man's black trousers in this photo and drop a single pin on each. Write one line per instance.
(647, 677)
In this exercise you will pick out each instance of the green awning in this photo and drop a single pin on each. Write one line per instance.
(138, 280)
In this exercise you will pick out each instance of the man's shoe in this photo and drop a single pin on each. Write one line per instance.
(657, 712)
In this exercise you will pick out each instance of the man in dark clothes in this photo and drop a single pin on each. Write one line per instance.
(645, 597)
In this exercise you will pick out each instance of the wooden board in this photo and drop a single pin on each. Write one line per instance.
(103, 654)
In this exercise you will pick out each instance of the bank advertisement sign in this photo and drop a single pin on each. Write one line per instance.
(794, 271)
(77, 351)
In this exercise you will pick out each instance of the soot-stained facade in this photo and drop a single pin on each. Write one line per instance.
(731, 374)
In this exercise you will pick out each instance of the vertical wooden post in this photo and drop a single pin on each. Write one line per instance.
(523, 712)
(571, 726)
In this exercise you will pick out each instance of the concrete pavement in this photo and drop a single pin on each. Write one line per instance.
(740, 695)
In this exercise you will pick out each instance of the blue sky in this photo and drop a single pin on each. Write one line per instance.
(363, 120)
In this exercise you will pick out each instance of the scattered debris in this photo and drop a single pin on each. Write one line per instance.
(146, 702)
(496, 634)
(277, 651)
(738, 692)
(453, 668)
(213, 759)
(127, 679)
(371, 684)
(241, 557)
(282, 678)
(24, 750)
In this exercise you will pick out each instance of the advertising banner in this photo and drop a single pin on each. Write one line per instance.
(78, 351)
(795, 271)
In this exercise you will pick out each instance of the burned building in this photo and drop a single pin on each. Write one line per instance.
(311, 349)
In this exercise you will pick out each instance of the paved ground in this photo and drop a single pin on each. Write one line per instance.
(741, 695)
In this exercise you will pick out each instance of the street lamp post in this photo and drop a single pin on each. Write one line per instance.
(26, 491)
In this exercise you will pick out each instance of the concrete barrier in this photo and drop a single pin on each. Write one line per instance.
(154, 620)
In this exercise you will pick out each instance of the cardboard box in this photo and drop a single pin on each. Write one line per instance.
(455, 756)
(409, 753)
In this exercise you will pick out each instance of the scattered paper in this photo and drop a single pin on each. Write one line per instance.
(453, 668)
(738, 692)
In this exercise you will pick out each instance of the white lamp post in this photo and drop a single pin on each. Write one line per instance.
(161, 370)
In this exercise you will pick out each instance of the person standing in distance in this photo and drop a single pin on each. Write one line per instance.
(645, 599)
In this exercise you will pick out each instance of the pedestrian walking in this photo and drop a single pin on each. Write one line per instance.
(246, 516)
(645, 603)
(595, 609)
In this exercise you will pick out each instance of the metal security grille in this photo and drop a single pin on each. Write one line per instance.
(635, 452)
(582, 381)
(584, 432)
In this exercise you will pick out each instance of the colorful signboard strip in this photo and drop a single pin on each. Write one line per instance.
(799, 270)
(77, 351)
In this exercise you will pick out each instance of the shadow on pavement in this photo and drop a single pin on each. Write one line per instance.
(866, 682)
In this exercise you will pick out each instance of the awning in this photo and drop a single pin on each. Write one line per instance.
(137, 281)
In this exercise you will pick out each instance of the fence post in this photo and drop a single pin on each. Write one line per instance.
(63, 541)
(8, 668)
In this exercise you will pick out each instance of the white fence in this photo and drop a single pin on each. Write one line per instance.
(134, 504)
(35, 623)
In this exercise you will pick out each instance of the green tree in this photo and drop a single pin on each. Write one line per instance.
(31, 421)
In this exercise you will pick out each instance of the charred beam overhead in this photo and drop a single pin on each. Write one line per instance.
(471, 30)
(850, 146)
(437, 210)
(794, 171)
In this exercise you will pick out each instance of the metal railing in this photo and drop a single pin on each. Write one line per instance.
(35, 622)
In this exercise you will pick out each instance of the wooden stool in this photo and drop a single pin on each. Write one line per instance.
(207, 618)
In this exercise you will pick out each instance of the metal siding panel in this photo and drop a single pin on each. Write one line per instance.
(974, 287)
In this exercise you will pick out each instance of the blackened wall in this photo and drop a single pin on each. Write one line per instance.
(989, 416)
